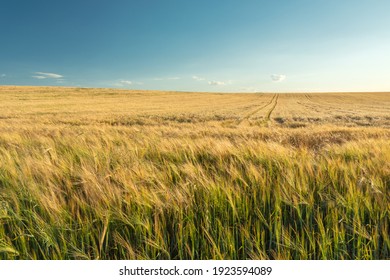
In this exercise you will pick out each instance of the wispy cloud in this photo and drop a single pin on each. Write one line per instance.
(174, 78)
(278, 77)
(124, 83)
(127, 83)
(3, 75)
(216, 83)
(197, 78)
(39, 77)
(45, 75)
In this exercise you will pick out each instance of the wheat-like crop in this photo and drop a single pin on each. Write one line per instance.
(110, 174)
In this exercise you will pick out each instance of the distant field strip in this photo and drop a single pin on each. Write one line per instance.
(121, 107)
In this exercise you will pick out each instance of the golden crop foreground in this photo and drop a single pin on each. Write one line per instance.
(111, 174)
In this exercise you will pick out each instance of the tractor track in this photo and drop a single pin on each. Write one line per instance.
(246, 117)
(269, 113)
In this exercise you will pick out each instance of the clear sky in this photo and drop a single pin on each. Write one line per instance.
(197, 45)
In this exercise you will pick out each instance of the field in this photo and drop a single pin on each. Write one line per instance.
(116, 174)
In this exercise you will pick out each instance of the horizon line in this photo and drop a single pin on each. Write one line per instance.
(189, 91)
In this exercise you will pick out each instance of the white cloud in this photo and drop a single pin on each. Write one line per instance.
(278, 77)
(216, 83)
(39, 77)
(124, 82)
(3, 75)
(47, 75)
(174, 78)
(197, 78)
(158, 79)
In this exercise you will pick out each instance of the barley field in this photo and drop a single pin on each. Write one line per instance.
(121, 174)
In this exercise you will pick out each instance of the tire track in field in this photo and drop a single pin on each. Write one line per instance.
(246, 117)
(331, 111)
(358, 114)
(311, 105)
(269, 113)
(328, 106)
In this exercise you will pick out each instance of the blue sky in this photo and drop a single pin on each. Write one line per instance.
(203, 45)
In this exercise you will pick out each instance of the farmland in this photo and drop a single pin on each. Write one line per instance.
(121, 174)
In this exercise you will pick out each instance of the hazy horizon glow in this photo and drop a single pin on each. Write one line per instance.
(204, 45)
